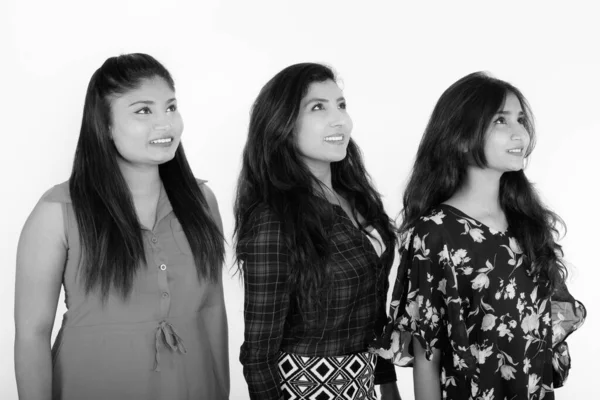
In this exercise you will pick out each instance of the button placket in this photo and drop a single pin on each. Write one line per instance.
(161, 262)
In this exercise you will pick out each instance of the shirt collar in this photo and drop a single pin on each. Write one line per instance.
(164, 207)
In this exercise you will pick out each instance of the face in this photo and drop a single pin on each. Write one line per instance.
(323, 127)
(146, 126)
(506, 139)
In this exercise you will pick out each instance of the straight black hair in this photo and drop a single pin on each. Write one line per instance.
(110, 232)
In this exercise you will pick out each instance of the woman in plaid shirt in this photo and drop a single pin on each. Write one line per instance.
(314, 246)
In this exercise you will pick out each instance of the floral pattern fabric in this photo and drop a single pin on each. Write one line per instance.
(466, 289)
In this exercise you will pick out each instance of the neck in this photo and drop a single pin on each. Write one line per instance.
(481, 189)
(323, 173)
(142, 180)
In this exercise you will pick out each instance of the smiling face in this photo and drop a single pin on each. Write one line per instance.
(145, 124)
(506, 139)
(323, 126)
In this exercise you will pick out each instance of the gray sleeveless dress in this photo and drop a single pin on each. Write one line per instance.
(154, 345)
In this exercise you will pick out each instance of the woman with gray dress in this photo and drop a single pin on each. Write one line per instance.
(137, 243)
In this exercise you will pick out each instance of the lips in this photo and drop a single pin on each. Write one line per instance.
(337, 138)
(164, 140)
(515, 151)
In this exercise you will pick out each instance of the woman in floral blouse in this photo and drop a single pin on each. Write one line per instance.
(479, 263)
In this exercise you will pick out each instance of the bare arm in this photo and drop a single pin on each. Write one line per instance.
(41, 256)
(426, 373)
(214, 319)
(214, 315)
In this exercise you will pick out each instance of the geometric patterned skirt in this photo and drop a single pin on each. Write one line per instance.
(327, 378)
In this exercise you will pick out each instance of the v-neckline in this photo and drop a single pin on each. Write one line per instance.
(367, 233)
(493, 231)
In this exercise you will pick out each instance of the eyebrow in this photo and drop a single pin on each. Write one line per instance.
(322, 100)
(150, 102)
(508, 112)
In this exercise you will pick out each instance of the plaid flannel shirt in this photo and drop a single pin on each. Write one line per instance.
(273, 322)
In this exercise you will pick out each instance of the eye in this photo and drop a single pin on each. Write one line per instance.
(145, 110)
(342, 105)
(172, 108)
(522, 121)
(500, 120)
(317, 107)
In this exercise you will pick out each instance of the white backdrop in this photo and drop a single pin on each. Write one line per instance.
(395, 59)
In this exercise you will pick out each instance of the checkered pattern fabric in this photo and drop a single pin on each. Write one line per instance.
(272, 319)
(349, 377)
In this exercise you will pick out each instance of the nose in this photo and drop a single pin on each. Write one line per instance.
(519, 133)
(339, 118)
(161, 122)
(162, 127)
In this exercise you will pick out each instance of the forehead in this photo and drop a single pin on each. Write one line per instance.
(512, 103)
(154, 89)
(326, 89)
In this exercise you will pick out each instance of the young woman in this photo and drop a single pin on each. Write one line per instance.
(314, 246)
(479, 259)
(136, 241)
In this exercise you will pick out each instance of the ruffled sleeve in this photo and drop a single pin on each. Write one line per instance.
(568, 315)
(424, 310)
(425, 302)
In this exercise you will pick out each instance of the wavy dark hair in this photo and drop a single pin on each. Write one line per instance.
(110, 232)
(274, 176)
(459, 122)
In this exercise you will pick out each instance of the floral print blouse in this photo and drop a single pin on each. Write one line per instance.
(465, 289)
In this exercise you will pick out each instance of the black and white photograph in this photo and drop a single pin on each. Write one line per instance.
(320, 200)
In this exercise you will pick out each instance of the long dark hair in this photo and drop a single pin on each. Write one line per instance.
(459, 122)
(110, 232)
(274, 176)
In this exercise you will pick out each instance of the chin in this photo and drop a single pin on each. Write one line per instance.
(164, 159)
(337, 157)
(516, 168)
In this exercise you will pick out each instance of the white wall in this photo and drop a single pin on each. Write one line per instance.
(395, 59)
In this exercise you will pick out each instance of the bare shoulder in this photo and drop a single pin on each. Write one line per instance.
(211, 199)
(209, 195)
(46, 220)
(41, 256)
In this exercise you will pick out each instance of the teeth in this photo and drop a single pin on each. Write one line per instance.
(166, 140)
(334, 138)
(515, 150)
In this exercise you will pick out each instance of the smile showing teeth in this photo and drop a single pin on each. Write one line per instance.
(335, 138)
(519, 151)
(165, 140)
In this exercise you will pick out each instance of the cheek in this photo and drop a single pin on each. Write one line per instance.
(302, 141)
(527, 140)
(349, 125)
(488, 147)
(495, 143)
(306, 134)
(129, 136)
(177, 124)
